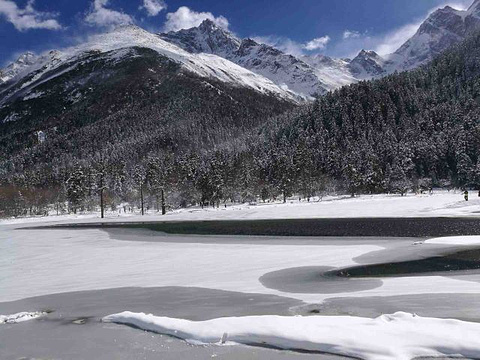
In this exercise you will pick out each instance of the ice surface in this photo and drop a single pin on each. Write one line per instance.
(41, 262)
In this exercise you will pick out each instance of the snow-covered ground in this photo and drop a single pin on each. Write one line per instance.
(399, 336)
(439, 204)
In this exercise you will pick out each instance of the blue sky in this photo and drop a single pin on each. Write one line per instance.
(332, 27)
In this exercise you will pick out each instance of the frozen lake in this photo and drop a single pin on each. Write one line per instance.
(80, 275)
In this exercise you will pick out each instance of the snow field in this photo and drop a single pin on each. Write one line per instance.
(440, 204)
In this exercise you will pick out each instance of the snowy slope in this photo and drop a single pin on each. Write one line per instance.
(125, 37)
(333, 72)
(283, 69)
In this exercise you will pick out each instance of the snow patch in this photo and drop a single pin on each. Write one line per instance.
(397, 336)
(456, 240)
(10, 118)
(20, 317)
(33, 95)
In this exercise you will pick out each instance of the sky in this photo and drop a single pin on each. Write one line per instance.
(337, 28)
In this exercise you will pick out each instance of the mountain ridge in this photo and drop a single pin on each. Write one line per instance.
(307, 76)
(129, 36)
(211, 51)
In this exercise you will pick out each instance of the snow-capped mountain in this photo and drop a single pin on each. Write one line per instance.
(311, 75)
(206, 38)
(12, 70)
(128, 37)
(442, 29)
(130, 88)
(213, 52)
(367, 64)
(303, 75)
(284, 70)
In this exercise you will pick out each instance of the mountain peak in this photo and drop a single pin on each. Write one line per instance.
(368, 53)
(442, 29)
(126, 28)
(208, 24)
(26, 58)
(367, 64)
(23, 61)
(208, 37)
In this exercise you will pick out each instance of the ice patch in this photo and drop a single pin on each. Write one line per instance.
(455, 240)
(397, 336)
(20, 317)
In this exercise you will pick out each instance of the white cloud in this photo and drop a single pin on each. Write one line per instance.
(458, 4)
(185, 18)
(349, 34)
(28, 18)
(281, 43)
(292, 47)
(317, 44)
(99, 15)
(390, 42)
(153, 7)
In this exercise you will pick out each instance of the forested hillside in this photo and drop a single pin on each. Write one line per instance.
(114, 110)
(407, 131)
